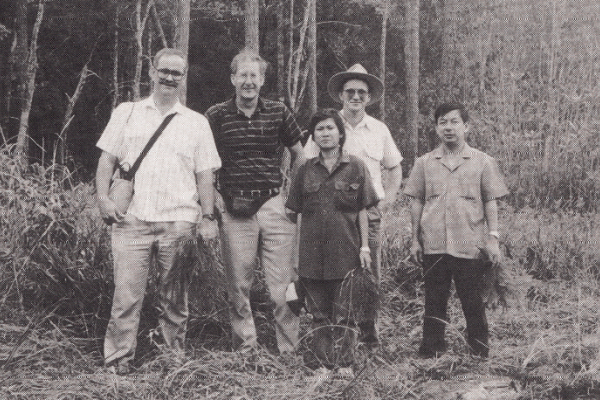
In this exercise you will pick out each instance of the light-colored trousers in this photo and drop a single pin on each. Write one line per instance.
(270, 235)
(134, 243)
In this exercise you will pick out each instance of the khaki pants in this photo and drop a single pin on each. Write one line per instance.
(134, 243)
(271, 236)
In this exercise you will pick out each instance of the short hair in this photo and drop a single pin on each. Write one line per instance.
(168, 51)
(248, 54)
(445, 108)
(322, 115)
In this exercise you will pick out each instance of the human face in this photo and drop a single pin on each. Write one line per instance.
(355, 95)
(168, 74)
(247, 80)
(451, 129)
(327, 134)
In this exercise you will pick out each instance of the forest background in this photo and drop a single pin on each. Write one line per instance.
(527, 69)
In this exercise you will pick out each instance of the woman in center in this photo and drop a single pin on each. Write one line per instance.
(331, 192)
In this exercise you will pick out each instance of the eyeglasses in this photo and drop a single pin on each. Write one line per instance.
(362, 93)
(165, 72)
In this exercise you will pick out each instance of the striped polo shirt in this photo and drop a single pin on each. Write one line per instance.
(251, 148)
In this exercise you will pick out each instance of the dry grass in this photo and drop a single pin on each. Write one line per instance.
(56, 290)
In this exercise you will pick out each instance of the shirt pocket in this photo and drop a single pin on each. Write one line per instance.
(346, 196)
(470, 186)
(471, 202)
(374, 149)
(434, 188)
(311, 196)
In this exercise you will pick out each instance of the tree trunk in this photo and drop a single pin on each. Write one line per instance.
(291, 52)
(312, 57)
(297, 84)
(140, 26)
(411, 52)
(382, 46)
(22, 147)
(161, 31)
(62, 137)
(449, 39)
(182, 39)
(281, 50)
(115, 100)
(251, 14)
(16, 81)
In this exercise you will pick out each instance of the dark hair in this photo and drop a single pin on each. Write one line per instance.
(322, 115)
(445, 108)
(168, 51)
(248, 54)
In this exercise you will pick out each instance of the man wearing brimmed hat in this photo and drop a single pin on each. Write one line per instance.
(370, 140)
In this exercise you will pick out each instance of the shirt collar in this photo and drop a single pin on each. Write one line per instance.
(365, 122)
(466, 152)
(149, 103)
(343, 158)
(233, 108)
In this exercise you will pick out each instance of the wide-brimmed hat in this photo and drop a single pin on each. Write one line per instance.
(357, 71)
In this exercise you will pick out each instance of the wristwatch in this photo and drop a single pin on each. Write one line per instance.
(210, 217)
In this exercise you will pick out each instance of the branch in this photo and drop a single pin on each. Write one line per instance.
(161, 32)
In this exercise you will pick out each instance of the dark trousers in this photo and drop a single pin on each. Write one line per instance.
(333, 330)
(439, 269)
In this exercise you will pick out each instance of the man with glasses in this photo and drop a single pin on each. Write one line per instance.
(251, 133)
(371, 141)
(172, 186)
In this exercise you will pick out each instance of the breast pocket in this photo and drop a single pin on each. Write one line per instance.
(310, 197)
(434, 188)
(346, 196)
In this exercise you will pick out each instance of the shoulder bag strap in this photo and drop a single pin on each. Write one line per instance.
(131, 173)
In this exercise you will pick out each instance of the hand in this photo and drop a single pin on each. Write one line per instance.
(365, 259)
(492, 247)
(208, 229)
(416, 252)
(109, 212)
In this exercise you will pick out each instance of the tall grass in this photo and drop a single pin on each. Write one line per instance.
(56, 288)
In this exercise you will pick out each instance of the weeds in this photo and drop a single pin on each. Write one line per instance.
(56, 288)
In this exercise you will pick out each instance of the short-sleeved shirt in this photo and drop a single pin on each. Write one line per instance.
(251, 148)
(372, 142)
(330, 203)
(453, 220)
(165, 184)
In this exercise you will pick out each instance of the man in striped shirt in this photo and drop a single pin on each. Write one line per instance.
(173, 178)
(250, 133)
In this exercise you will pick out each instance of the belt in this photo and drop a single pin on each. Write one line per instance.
(252, 192)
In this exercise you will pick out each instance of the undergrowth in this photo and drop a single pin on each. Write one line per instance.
(56, 289)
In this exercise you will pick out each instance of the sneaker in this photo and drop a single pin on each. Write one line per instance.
(345, 373)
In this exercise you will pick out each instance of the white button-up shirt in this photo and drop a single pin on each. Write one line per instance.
(372, 142)
(165, 183)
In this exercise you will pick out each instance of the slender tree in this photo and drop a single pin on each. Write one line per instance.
(251, 14)
(22, 147)
(281, 25)
(182, 37)
(382, 46)
(312, 57)
(411, 52)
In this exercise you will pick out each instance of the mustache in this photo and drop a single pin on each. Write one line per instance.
(167, 82)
